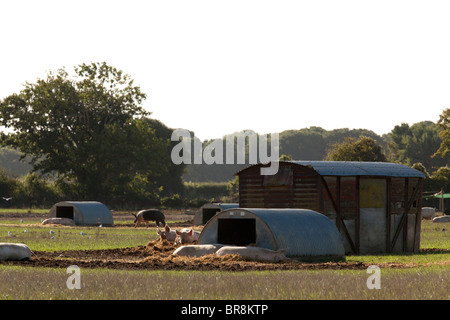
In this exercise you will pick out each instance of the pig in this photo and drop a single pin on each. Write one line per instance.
(14, 251)
(187, 235)
(441, 219)
(167, 234)
(254, 253)
(61, 221)
(428, 212)
(197, 250)
(148, 215)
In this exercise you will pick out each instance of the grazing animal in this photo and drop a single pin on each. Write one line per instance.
(197, 250)
(428, 212)
(167, 234)
(254, 253)
(145, 216)
(14, 251)
(61, 221)
(441, 219)
(187, 235)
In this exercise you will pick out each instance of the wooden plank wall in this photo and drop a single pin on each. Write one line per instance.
(303, 192)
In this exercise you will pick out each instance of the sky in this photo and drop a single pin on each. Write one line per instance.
(217, 67)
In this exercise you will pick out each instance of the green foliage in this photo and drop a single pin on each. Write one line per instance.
(7, 184)
(91, 129)
(363, 149)
(208, 191)
(233, 189)
(417, 143)
(284, 157)
(33, 190)
(174, 201)
(10, 160)
(444, 124)
(304, 144)
(419, 166)
(441, 179)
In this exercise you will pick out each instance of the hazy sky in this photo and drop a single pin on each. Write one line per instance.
(216, 67)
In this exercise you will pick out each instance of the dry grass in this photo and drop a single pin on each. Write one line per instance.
(420, 276)
(417, 283)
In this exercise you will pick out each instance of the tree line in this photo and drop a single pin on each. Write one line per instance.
(86, 136)
(407, 144)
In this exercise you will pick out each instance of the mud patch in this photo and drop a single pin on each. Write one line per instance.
(157, 255)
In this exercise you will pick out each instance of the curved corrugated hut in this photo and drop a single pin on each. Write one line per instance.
(208, 211)
(302, 232)
(83, 212)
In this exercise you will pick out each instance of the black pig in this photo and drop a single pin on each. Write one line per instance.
(148, 215)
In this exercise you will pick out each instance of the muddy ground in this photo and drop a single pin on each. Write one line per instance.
(157, 255)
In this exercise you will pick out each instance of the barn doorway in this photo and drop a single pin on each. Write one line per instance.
(207, 214)
(239, 232)
(64, 212)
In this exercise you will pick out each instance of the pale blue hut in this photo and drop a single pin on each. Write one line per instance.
(301, 232)
(87, 213)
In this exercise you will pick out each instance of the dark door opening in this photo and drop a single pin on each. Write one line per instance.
(64, 212)
(239, 232)
(208, 214)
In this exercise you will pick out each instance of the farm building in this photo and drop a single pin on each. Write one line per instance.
(83, 212)
(301, 232)
(376, 206)
(208, 211)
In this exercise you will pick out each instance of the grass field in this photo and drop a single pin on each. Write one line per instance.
(425, 275)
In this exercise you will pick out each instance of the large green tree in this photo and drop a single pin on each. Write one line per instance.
(89, 127)
(417, 143)
(361, 149)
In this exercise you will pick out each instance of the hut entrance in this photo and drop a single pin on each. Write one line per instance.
(64, 212)
(239, 232)
(208, 214)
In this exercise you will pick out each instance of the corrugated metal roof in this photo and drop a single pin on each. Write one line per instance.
(355, 168)
(86, 213)
(301, 232)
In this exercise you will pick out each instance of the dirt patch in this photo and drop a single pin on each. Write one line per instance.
(157, 255)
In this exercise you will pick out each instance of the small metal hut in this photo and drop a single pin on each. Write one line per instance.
(83, 212)
(301, 232)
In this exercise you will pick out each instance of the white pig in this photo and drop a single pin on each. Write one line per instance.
(14, 251)
(187, 235)
(197, 250)
(254, 253)
(167, 234)
(61, 221)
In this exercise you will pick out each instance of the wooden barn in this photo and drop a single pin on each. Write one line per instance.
(376, 205)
